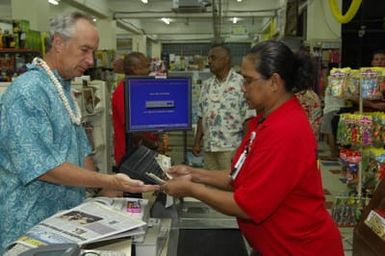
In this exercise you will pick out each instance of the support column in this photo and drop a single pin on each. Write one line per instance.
(107, 34)
(156, 49)
(321, 23)
(139, 43)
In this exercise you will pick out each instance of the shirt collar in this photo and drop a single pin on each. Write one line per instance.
(227, 78)
(63, 82)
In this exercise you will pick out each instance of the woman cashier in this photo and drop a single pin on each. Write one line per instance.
(274, 188)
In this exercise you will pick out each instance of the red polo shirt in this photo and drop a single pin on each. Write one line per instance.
(279, 187)
(119, 121)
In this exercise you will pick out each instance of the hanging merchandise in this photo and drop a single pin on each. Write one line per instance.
(350, 162)
(355, 129)
(347, 83)
(337, 80)
(370, 86)
(378, 156)
(362, 129)
(378, 129)
(344, 82)
(347, 210)
(354, 6)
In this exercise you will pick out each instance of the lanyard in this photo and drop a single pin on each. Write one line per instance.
(238, 165)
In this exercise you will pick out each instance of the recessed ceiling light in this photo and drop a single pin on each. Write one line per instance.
(145, 1)
(54, 2)
(166, 20)
(239, 1)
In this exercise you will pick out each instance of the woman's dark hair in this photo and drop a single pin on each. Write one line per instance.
(271, 57)
(131, 61)
(379, 51)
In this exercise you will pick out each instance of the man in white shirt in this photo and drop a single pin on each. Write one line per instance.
(222, 112)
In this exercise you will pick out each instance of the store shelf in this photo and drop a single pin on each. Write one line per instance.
(18, 50)
(14, 60)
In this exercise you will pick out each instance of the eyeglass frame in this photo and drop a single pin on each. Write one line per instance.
(247, 82)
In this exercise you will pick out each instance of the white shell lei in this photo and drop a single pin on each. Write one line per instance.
(75, 117)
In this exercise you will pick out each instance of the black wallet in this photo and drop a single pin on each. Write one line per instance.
(140, 164)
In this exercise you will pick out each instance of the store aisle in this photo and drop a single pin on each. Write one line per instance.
(331, 174)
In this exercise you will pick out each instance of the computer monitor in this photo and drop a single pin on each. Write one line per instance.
(157, 104)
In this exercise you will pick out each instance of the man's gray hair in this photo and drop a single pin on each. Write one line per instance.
(64, 26)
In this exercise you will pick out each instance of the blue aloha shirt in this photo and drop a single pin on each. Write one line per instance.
(223, 110)
(36, 135)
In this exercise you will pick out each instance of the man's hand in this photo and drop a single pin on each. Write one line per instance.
(110, 193)
(124, 183)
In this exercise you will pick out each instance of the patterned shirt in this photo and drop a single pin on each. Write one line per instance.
(223, 110)
(36, 135)
(311, 103)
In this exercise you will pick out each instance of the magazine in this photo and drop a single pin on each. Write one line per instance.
(97, 219)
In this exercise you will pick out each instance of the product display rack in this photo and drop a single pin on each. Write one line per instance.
(358, 134)
(94, 101)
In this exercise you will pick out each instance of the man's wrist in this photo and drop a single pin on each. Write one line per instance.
(94, 192)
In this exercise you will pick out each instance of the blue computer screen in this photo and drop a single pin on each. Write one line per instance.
(157, 104)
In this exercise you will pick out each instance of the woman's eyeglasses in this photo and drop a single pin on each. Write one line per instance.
(248, 81)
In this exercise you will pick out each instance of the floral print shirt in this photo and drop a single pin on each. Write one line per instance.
(311, 103)
(223, 110)
(36, 135)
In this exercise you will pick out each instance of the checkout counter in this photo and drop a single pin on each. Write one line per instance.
(187, 228)
(197, 229)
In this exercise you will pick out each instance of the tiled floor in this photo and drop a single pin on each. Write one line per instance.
(331, 172)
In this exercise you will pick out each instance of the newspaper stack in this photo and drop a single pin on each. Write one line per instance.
(97, 219)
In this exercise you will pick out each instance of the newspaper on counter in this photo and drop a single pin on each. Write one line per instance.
(97, 219)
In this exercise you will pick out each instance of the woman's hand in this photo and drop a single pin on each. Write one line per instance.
(124, 183)
(178, 187)
(181, 171)
(196, 150)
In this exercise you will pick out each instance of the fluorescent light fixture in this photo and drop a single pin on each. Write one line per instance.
(145, 1)
(235, 20)
(54, 2)
(166, 20)
(239, 1)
